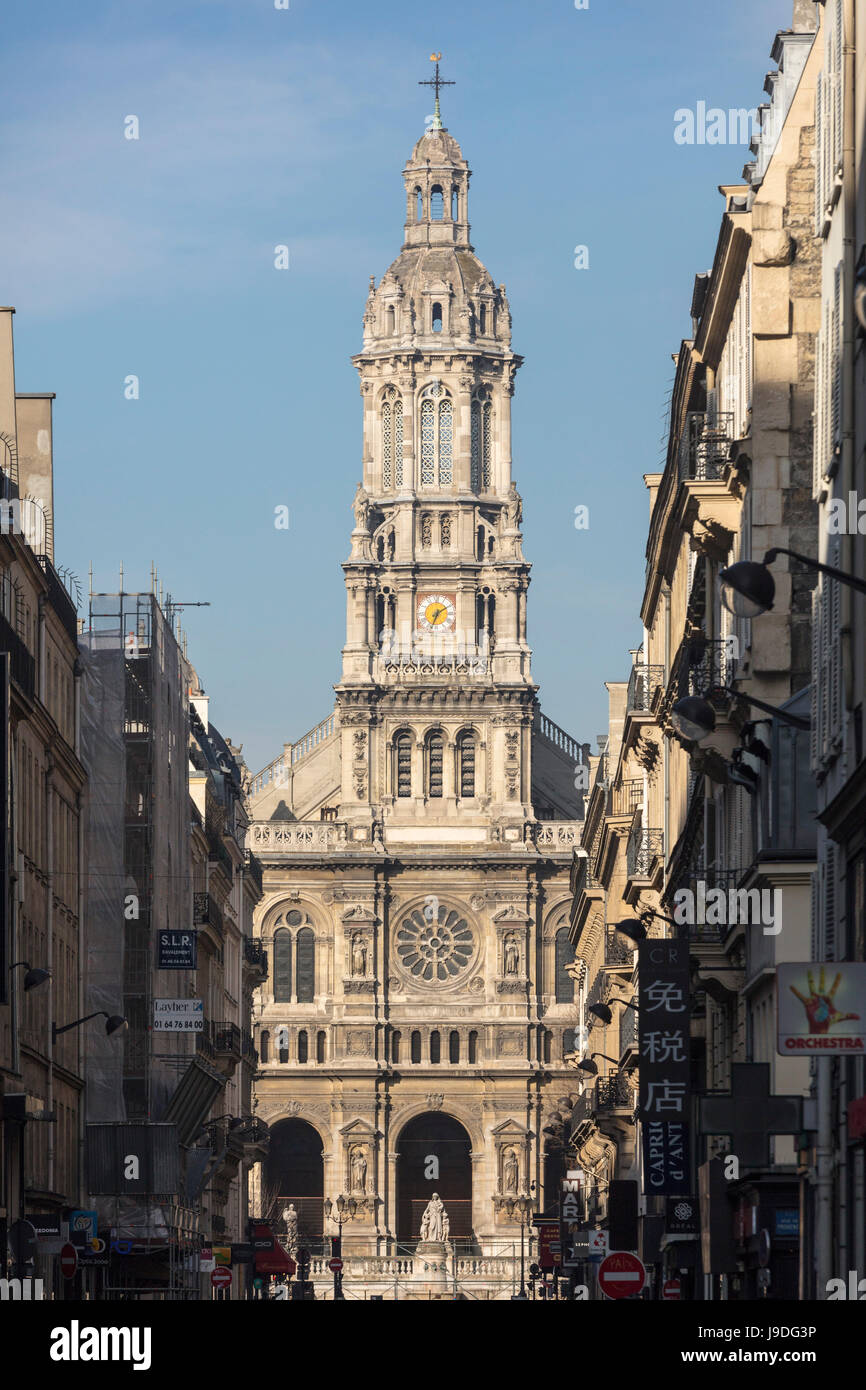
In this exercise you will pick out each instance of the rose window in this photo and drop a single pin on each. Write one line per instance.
(434, 947)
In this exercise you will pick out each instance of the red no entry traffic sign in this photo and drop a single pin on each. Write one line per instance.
(671, 1289)
(335, 1266)
(68, 1260)
(621, 1274)
(221, 1277)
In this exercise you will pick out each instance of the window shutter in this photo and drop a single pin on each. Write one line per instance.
(819, 154)
(837, 88)
(835, 439)
(829, 943)
(818, 418)
(816, 915)
(815, 732)
(835, 654)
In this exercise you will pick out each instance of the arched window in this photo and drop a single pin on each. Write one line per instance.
(481, 443)
(455, 205)
(546, 1046)
(437, 435)
(392, 439)
(419, 205)
(396, 1038)
(320, 1046)
(564, 956)
(454, 1048)
(283, 1044)
(416, 1046)
(436, 320)
(435, 1048)
(485, 617)
(306, 966)
(569, 1042)
(437, 208)
(435, 757)
(473, 1048)
(482, 319)
(303, 1050)
(282, 966)
(466, 764)
(264, 1046)
(390, 320)
(403, 764)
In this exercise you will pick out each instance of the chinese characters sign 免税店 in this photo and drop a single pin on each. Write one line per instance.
(664, 1099)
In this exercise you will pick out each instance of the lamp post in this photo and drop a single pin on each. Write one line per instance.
(339, 1212)
(747, 588)
(523, 1206)
(114, 1023)
(33, 977)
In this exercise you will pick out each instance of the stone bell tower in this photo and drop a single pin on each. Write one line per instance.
(417, 843)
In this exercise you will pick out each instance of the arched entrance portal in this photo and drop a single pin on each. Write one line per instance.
(433, 1155)
(294, 1173)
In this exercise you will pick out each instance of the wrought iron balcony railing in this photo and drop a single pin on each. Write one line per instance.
(705, 664)
(613, 1093)
(643, 683)
(644, 846)
(628, 1030)
(21, 664)
(618, 950)
(253, 869)
(705, 445)
(625, 798)
(255, 953)
(206, 912)
(59, 598)
(220, 1040)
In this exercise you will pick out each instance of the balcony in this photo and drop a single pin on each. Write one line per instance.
(253, 870)
(618, 952)
(256, 956)
(206, 913)
(711, 933)
(705, 446)
(218, 852)
(628, 1032)
(22, 666)
(643, 683)
(625, 798)
(59, 598)
(220, 1040)
(613, 1093)
(645, 846)
(297, 837)
(557, 836)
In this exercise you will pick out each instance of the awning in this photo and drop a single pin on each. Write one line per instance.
(274, 1261)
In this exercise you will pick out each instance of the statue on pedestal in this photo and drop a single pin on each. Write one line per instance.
(434, 1221)
(290, 1221)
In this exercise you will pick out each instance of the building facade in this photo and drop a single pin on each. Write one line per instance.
(416, 845)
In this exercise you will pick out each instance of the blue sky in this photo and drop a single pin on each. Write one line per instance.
(261, 126)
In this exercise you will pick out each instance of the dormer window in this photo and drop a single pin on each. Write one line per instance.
(390, 320)
(482, 320)
(437, 318)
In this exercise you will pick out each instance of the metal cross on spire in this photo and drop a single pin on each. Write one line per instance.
(436, 82)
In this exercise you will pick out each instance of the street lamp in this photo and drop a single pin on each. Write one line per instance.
(588, 1065)
(603, 1012)
(524, 1207)
(748, 589)
(630, 927)
(339, 1212)
(113, 1024)
(34, 977)
(694, 717)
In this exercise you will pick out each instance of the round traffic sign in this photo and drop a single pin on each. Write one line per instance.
(221, 1277)
(335, 1266)
(621, 1274)
(68, 1260)
(671, 1289)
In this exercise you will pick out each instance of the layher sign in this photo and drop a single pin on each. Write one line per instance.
(821, 1008)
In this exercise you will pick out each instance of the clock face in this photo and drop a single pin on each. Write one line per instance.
(436, 612)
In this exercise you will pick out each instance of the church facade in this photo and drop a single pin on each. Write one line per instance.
(416, 845)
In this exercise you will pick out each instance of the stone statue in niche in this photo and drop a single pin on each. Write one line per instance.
(359, 1170)
(290, 1221)
(434, 1221)
(359, 955)
(361, 507)
(510, 1171)
(512, 956)
(513, 508)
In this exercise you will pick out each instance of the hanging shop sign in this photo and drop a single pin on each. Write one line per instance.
(821, 1007)
(664, 1099)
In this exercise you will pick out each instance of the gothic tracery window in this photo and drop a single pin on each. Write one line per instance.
(392, 439)
(282, 966)
(564, 955)
(481, 443)
(437, 436)
(466, 764)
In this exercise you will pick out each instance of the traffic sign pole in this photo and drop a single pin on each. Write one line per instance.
(621, 1275)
